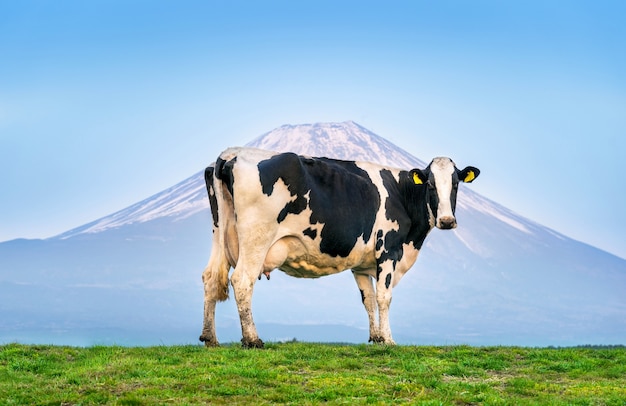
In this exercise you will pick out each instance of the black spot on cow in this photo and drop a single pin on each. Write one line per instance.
(288, 168)
(379, 240)
(282, 166)
(362, 295)
(309, 232)
(388, 280)
(293, 207)
(379, 244)
(341, 197)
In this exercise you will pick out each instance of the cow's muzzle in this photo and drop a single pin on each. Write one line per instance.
(446, 223)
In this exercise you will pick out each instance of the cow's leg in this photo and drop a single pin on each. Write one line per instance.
(208, 335)
(368, 296)
(243, 279)
(215, 280)
(384, 285)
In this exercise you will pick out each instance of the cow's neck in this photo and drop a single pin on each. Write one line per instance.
(416, 203)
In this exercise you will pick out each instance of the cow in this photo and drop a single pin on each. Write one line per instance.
(310, 217)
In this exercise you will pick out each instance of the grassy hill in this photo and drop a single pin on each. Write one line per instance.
(307, 373)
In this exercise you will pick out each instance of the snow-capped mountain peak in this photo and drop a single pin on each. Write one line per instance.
(347, 140)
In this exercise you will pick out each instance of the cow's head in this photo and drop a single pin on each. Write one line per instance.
(442, 179)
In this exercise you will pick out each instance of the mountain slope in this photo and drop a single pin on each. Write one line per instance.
(178, 202)
(134, 277)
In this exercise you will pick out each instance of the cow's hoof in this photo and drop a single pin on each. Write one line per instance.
(381, 340)
(209, 341)
(258, 343)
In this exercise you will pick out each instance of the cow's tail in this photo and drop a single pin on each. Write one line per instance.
(218, 267)
(208, 179)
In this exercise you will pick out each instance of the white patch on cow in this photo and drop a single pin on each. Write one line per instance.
(443, 169)
(409, 256)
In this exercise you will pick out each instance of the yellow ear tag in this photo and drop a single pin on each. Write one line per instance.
(470, 177)
(417, 179)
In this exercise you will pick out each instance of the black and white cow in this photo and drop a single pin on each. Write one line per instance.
(311, 217)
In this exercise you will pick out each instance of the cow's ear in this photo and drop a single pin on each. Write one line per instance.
(418, 176)
(468, 174)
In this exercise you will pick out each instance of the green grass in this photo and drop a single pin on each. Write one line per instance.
(305, 373)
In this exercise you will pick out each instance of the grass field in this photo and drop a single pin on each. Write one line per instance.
(306, 373)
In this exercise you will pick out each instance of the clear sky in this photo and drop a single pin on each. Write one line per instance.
(104, 102)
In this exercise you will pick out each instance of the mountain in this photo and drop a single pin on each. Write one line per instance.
(134, 277)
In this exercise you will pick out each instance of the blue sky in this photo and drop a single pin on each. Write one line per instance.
(103, 103)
